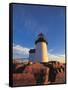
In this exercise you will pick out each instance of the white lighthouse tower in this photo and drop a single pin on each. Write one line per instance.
(41, 53)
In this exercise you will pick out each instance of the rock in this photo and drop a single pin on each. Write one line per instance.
(23, 79)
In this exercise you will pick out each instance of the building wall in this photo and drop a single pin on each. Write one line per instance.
(32, 57)
(41, 54)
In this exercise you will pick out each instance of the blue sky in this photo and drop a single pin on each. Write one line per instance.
(30, 20)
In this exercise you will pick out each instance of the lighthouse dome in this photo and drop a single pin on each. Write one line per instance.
(41, 38)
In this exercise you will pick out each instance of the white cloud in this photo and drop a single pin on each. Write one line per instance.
(20, 51)
(23, 52)
(55, 57)
(51, 50)
(60, 57)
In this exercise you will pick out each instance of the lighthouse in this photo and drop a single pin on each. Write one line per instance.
(41, 54)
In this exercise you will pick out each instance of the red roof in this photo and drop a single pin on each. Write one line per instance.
(40, 34)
